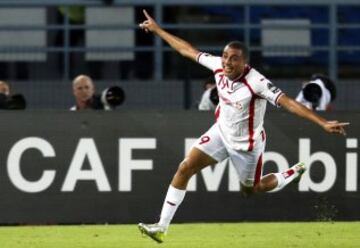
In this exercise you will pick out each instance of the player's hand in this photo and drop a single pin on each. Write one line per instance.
(336, 127)
(149, 24)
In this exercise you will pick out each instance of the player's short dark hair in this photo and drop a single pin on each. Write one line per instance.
(240, 46)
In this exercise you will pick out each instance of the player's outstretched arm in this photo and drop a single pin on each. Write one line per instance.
(180, 45)
(294, 107)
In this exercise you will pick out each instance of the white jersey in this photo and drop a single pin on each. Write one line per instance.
(242, 103)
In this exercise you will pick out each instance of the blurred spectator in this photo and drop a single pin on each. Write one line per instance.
(85, 97)
(209, 98)
(83, 90)
(4, 88)
(8, 101)
(317, 93)
(74, 13)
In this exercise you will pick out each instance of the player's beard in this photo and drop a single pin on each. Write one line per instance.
(231, 74)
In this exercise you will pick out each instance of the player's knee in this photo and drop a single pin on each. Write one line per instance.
(247, 191)
(259, 187)
(185, 169)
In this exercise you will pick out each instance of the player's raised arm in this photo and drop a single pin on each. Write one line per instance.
(180, 45)
(294, 107)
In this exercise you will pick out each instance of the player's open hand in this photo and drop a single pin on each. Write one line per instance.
(336, 127)
(149, 24)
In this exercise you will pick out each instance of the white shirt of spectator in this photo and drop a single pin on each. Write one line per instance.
(205, 103)
(242, 103)
(324, 100)
(75, 108)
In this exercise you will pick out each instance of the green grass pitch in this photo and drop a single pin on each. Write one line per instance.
(278, 235)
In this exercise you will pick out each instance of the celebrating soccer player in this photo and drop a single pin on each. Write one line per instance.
(238, 133)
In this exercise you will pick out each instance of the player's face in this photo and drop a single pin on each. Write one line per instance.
(233, 62)
(83, 90)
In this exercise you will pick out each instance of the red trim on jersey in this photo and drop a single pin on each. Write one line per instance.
(217, 112)
(258, 171)
(251, 123)
(243, 75)
(251, 116)
(218, 70)
(247, 84)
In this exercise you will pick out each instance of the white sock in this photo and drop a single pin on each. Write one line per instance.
(173, 199)
(286, 177)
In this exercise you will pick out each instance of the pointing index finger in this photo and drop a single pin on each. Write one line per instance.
(343, 124)
(146, 14)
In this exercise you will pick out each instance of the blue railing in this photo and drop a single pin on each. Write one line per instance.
(334, 27)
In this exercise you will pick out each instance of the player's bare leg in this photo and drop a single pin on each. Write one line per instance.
(193, 163)
(276, 180)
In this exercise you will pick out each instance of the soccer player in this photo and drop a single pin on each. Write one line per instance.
(238, 133)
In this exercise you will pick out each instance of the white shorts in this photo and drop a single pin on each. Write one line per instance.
(248, 165)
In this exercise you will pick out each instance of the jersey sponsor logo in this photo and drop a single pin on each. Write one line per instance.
(237, 86)
(223, 82)
(238, 105)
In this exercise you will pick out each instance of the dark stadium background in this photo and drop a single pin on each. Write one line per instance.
(49, 48)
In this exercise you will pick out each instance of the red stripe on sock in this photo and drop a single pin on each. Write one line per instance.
(288, 173)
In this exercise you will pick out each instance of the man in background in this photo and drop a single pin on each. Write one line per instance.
(209, 99)
(85, 97)
(4, 88)
(317, 93)
(8, 101)
(83, 90)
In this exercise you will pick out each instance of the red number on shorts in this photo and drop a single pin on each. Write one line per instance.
(204, 139)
